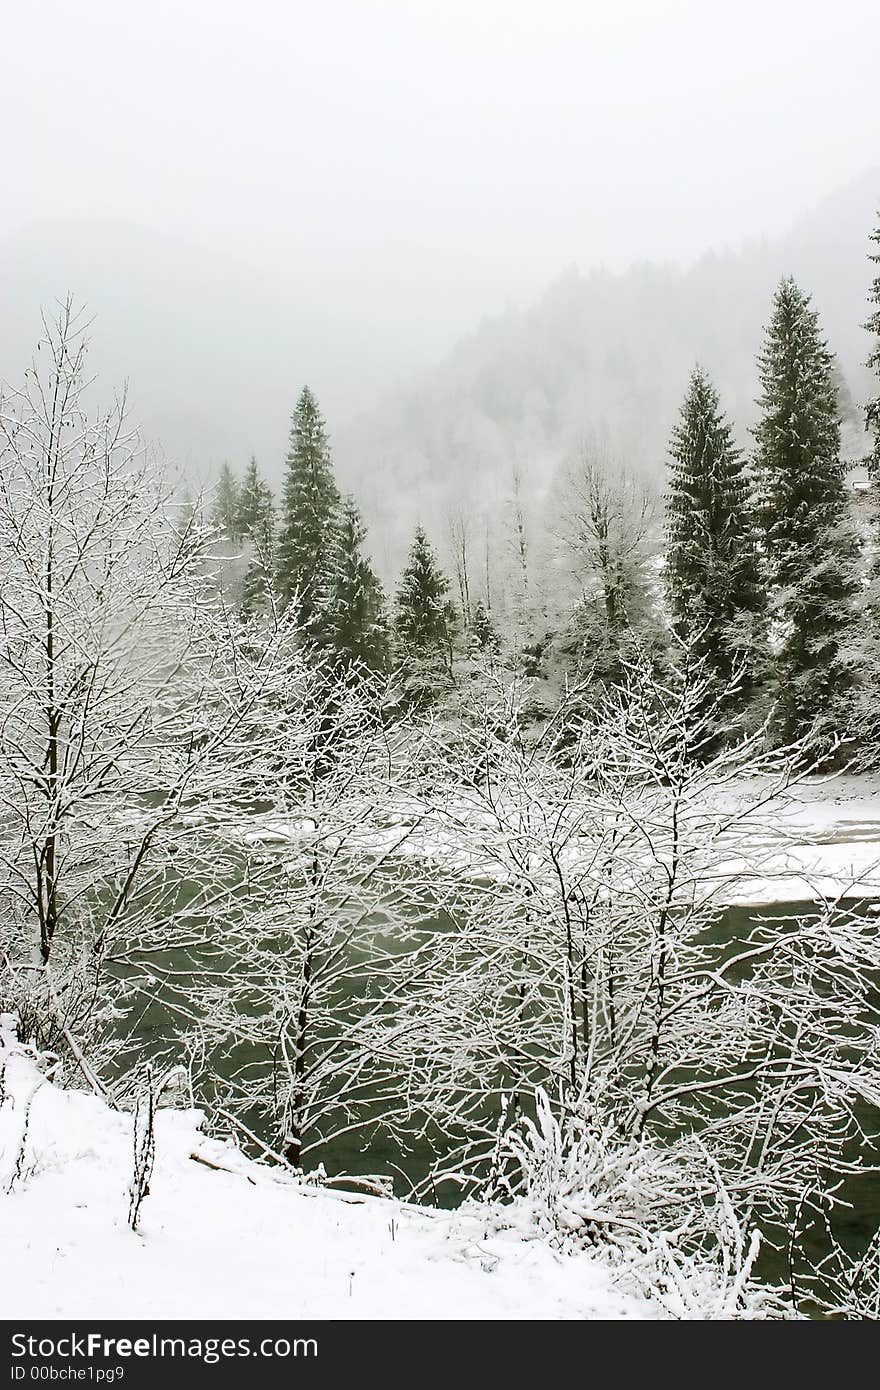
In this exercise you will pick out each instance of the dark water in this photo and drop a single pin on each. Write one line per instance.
(155, 1028)
(856, 1218)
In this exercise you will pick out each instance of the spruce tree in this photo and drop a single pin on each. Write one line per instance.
(256, 505)
(803, 510)
(310, 514)
(872, 413)
(256, 522)
(225, 513)
(423, 614)
(484, 638)
(355, 621)
(712, 570)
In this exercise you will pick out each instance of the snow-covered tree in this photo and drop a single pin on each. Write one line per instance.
(484, 637)
(129, 701)
(423, 613)
(872, 413)
(226, 503)
(712, 566)
(424, 623)
(294, 1004)
(309, 518)
(256, 524)
(803, 511)
(590, 962)
(356, 630)
(256, 507)
(605, 551)
(865, 722)
(458, 521)
(526, 627)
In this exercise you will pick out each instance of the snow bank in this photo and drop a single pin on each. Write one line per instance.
(820, 839)
(246, 1243)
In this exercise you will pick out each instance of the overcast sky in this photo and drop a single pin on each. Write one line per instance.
(439, 158)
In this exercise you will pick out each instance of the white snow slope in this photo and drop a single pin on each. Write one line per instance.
(242, 1244)
(820, 839)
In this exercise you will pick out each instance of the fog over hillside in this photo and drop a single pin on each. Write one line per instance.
(214, 353)
(214, 350)
(606, 356)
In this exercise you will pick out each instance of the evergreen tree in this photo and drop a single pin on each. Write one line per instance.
(872, 413)
(225, 513)
(310, 513)
(484, 637)
(803, 509)
(256, 522)
(424, 626)
(866, 714)
(257, 588)
(256, 505)
(423, 614)
(712, 568)
(355, 621)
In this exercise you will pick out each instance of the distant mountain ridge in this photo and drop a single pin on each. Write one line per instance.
(605, 354)
(216, 353)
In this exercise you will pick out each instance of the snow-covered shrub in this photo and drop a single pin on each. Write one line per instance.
(589, 962)
(579, 1183)
(295, 1005)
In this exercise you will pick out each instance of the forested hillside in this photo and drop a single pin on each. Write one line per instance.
(607, 355)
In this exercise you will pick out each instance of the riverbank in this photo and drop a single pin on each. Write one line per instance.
(223, 1237)
(819, 839)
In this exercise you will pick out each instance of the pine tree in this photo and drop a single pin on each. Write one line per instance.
(484, 638)
(803, 509)
(712, 568)
(256, 522)
(872, 413)
(355, 618)
(256, 504)
(423, 614)
(310, 514)
(225, 513)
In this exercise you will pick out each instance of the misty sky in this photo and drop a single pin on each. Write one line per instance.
(440, 158)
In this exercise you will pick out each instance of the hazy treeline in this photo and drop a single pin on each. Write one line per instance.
(762, 556)
(600, 354)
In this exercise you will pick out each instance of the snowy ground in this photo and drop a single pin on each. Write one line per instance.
(822, 838)
(242, 1244)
